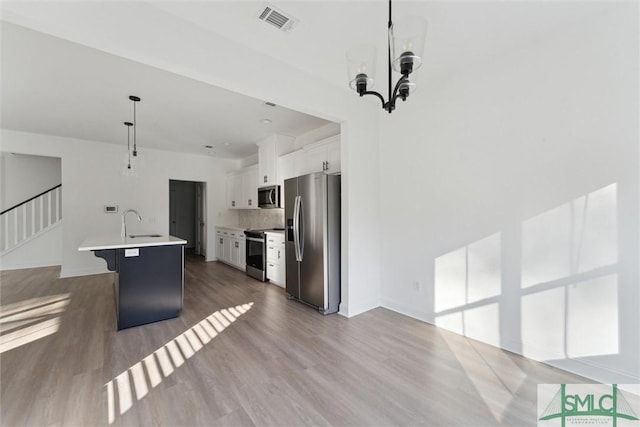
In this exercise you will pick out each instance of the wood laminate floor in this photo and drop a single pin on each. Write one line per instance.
(241, 354)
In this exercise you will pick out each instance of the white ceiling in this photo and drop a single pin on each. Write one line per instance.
(459, 32)
(57, 87)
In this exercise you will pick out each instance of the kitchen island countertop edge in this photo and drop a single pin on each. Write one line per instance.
(97, 243)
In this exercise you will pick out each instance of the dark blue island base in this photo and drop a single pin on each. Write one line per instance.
(149, 286)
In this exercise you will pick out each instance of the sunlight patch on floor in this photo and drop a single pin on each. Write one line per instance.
(170, 356)
(494, 384)
(29, 320)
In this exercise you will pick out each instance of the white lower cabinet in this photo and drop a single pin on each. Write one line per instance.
(231, 246)
(275, 258)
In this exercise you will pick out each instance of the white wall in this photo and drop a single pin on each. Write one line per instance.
(93, 176)
(191, 51)
(510, 208)
(22, 177)
(43, 250)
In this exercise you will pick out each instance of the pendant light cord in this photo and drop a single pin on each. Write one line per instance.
(128, 146)
(135, 126)
(389, 26)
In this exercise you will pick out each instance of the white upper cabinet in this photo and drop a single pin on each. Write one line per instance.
(250, 189)
(267, 165)
(277, 163)
(242, 189)
(334, 156)
(234, 191)
(268, 152)
(291, 165)
(323, 156)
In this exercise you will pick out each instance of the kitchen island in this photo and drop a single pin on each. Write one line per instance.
(149, 279)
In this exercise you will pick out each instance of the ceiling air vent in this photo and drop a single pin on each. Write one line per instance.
(276, 17)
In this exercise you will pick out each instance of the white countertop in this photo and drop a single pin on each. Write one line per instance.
(278, 232)
(96, 243)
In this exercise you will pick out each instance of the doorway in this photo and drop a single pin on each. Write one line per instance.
(187, 213)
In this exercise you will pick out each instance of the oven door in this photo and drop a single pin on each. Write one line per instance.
(256, 253)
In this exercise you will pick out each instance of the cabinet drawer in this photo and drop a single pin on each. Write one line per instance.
(275, 254)
(274, 239)
(275, 273)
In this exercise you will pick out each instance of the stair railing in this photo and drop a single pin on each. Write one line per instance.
(26, 219)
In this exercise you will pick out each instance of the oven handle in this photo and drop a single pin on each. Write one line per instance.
(253, 239)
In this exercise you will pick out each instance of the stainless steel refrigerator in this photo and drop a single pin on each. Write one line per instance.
(312, 220)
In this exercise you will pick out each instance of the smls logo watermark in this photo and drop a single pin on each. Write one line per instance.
(586, 404)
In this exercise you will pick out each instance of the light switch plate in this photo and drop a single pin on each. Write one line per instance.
(110, 208)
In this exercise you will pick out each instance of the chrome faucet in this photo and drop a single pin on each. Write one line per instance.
(123, 229)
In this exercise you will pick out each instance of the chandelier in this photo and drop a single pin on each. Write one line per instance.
(405, 43)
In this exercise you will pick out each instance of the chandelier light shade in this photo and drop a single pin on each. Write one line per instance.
(406, 38)
(405, 46)
(361, 63)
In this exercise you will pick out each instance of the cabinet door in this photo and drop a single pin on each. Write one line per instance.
(228, 249)
(289, 166)
(243, 254)
(333, 157)
(250, 190)
(234, 191)
(234, 257)
(267, 170)
(220, 246)
(230, 193)
(316, 158)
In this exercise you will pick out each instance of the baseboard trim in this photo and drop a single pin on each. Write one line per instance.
(361, 308)
(77, 272)
(406, 310)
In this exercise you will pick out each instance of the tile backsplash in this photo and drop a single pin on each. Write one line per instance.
(262, 218)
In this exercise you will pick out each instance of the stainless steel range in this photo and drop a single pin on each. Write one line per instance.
(257, 253)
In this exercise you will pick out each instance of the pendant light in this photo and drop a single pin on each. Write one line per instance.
(405, 43)
(128, 125)
(135, 124)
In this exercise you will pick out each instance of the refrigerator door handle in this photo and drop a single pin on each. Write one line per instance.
(296, 227)
(301, 228)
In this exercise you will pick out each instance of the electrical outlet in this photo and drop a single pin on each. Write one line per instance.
(416, 285)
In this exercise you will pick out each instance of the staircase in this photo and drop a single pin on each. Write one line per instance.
(29, 219)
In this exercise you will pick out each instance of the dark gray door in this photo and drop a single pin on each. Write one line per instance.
(182, 210)
(172, 211)
(199, 218)
(313, 189)
(292, 279)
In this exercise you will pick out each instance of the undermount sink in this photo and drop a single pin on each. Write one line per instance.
(133, 236)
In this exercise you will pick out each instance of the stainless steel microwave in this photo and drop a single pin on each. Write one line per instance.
(269, 197)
